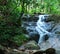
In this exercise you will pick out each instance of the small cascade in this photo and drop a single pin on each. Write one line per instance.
(29, 23)
(44, 27)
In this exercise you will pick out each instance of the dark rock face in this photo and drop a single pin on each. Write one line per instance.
(46, 37)
(29, 18)
(1, 52)
(28, 25)
(34, 36)
(50, 51)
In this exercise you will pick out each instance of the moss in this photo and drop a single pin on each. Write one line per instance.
(20, 39)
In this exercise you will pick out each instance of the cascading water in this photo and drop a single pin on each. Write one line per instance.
(43, 27)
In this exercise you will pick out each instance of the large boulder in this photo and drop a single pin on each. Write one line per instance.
(47, 51)
(31, 45)
(34, 36)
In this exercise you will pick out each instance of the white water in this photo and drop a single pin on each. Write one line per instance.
(43, 27)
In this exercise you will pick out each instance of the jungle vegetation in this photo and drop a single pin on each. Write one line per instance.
(11, 12)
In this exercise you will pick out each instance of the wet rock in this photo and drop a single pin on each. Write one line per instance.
(29, 24)
(35, 18)
(46, 37)
(34, 36)
(25, 17)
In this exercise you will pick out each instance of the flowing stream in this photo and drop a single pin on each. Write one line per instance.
(44, 26)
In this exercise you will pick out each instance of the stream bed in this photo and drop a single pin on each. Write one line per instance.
(44, 29)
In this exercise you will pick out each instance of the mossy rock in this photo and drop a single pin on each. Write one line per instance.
(32, 45)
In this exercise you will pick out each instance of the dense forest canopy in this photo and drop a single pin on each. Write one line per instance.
(29, 6)
(40, 6)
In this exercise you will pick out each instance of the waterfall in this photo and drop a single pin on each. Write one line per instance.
(43, 27)
(39, 27)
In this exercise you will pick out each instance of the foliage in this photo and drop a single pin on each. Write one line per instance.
(8, 30)
(12, 10)
(20, 39)
(10, 23)
(42, 6)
